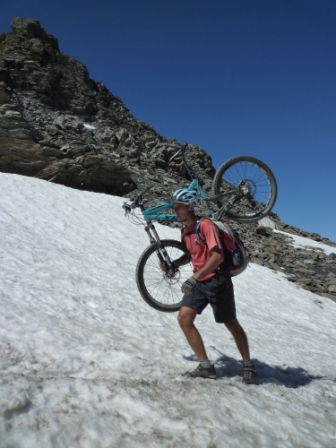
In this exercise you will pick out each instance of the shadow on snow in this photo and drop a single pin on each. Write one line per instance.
(293, 377)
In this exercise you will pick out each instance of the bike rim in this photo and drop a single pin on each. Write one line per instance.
(252, 181)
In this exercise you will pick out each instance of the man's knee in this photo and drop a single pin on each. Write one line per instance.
(234, 326)
(186, 317)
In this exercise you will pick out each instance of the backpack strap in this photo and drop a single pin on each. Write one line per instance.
(199, 236)
(222, 268)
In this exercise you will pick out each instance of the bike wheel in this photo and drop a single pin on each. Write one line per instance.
(254, 180)
(160, 291)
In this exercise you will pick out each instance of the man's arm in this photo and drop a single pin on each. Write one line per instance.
(184, 259)
(215, 259)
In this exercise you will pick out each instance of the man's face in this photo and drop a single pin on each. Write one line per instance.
(182, 211)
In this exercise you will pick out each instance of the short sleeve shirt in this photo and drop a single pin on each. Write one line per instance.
(199, 251)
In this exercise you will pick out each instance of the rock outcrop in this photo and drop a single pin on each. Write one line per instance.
(59, 125)
(307, 266)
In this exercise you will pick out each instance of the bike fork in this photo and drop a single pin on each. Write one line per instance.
(161, 251)
(222, 211)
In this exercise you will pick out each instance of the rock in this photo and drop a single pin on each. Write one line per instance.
(305, 271)
(268, 223)
(331, 281)
(122, 135)
(4, 160)
(292, 279)
(329, 296)
(273, 266)
(160, 163)
(262, 231)
(27, 28)
(305, 281)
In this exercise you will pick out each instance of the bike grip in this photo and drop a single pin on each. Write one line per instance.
(145, 191)
(179, 153)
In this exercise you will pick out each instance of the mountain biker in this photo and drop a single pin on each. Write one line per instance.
(206, 286)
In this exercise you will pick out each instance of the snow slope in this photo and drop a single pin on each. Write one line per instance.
(85, 362)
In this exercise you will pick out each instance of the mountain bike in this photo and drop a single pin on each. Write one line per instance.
(244, 189)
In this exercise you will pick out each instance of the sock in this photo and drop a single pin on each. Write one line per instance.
(206, 364)
(248, 363)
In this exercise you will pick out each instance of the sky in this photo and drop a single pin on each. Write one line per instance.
(85, 362)
(235, 77)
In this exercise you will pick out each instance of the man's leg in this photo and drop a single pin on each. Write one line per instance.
(205, 369)
(186, 319)
(238, 333)
(240, 338)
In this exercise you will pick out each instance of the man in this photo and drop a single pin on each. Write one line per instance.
(208, 285)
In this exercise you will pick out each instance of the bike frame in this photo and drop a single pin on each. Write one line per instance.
(155, 213)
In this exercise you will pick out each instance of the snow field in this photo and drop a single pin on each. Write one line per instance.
(85, 362)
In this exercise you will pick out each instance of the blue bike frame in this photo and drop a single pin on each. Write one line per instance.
(155, 213)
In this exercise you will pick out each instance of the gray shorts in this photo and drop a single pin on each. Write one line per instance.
(218, 291)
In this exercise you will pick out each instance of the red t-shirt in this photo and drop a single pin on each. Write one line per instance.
(199, 251)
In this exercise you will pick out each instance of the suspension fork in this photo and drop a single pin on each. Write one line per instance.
(161, 251)
(222, 211)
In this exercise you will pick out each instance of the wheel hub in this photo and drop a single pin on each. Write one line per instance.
(247, 186)
(172, 279)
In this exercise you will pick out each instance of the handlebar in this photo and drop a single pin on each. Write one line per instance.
(138, 201)
(179, 153)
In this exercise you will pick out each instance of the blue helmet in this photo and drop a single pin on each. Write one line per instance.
(184, 196)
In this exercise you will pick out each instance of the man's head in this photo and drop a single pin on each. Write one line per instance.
(184, 202)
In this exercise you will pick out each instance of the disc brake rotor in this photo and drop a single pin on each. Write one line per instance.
(172, 280)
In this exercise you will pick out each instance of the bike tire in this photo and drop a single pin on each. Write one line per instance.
(160, 292)
(260, 181)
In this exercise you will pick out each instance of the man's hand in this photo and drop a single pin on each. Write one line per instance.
(163, 266)
(188, 285)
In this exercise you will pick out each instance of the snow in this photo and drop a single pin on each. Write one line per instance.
(85, 362)
(89, 127)
(307, 243)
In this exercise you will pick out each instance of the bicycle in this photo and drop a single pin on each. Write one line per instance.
(244, 189)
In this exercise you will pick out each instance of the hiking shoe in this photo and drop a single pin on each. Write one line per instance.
(201, 372)
(249, 374)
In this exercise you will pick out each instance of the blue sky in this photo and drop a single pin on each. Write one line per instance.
(253, 77)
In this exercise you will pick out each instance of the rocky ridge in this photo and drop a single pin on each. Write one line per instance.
(59, 125)
(68, 128)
